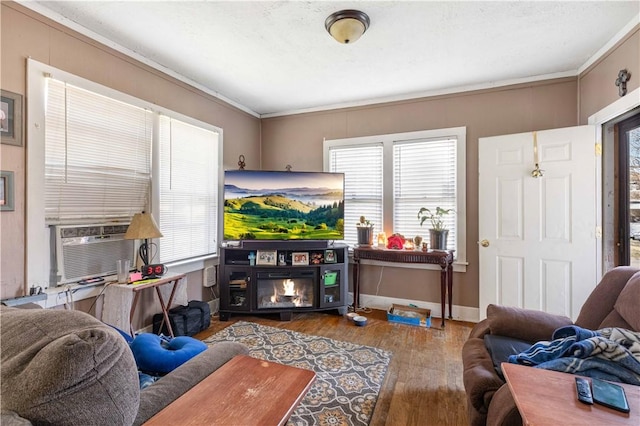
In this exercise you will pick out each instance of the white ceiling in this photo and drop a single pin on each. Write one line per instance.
(275, 57)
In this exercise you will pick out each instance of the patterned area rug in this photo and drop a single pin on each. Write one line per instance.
(348, 376)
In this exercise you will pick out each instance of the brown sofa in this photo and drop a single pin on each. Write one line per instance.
(613, 303)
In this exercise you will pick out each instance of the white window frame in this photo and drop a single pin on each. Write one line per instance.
(37, 242)
(459, 134)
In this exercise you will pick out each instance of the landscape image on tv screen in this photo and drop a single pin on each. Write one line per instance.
(268, 205)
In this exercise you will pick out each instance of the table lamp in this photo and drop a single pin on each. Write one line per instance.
(143, 227)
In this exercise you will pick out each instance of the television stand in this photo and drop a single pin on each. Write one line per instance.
(283, 277)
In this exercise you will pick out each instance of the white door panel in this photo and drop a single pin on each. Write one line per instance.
(541, 251)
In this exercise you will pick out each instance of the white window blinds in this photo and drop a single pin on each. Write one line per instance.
(362, 166)
(188, 177)
(97, 156)
(424, 175)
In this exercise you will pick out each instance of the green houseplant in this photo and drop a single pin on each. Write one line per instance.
(438, 232)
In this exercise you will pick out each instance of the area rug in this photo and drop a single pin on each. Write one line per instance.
(348, 376)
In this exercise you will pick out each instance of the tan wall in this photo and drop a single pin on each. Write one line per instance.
(297, 140)
(26, 34)
(597, 87)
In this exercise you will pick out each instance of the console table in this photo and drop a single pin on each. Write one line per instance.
(444, 258)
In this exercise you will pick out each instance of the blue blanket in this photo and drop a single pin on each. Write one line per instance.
(609, 353)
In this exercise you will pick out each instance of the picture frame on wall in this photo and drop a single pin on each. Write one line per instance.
(266, 257)
(300, 258)
(10, 118)
(7, 202)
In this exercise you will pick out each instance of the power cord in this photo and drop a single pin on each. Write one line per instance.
(69, 304)
(95, 300)
(364, 308)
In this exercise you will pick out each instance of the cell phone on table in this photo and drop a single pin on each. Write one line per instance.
(610, 395)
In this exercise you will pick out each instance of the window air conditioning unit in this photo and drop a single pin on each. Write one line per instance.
(87, 251)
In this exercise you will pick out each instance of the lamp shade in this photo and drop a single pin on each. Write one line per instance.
(142, 227)
(346, 26)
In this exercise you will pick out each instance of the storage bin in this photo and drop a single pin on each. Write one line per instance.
(330, 277)
(410, 315)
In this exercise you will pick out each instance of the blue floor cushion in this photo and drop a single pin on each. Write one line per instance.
(155, 356)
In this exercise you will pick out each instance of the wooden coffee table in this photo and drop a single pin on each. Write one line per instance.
(243, 391)
(546, 397)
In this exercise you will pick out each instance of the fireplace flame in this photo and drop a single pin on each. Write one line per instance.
(288, 286)
(289, 291)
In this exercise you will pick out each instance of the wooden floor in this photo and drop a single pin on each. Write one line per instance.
(423, 385)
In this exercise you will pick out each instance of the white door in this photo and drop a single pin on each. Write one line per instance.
(538, 234)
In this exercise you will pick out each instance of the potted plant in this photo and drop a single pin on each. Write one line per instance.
(365, 232)
(438, 232)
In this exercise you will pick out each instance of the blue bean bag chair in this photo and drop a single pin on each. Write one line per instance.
(155, 356)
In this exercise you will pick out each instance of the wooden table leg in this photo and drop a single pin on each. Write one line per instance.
(356, 285)
(443, 290)
(165, 312)
(450, 287)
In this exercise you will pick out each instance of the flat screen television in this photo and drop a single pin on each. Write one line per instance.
(274, 205)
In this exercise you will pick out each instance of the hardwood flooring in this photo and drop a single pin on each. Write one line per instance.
(423, 385)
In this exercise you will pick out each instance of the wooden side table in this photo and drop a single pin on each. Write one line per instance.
(156, 283)
(444, 258)
(126, 291)
(546, 397)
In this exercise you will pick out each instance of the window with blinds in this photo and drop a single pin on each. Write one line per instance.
(188, 215)
(388, 178)
(362, 167)
(97, 156)
(424, 175)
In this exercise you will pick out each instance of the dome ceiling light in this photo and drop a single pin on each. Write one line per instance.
(346, 26)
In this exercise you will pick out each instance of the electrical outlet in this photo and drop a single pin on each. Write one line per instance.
(209, 278)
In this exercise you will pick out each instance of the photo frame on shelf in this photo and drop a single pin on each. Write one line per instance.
(10, 118)
(266, 257)
(330, 256)
(7, 202)
(300, 258)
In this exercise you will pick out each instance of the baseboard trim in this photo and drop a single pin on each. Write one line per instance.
(460, 313)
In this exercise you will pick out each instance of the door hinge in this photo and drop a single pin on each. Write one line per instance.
(598, 231)
(598, 150)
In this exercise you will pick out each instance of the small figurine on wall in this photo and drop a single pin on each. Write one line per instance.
(621, 82)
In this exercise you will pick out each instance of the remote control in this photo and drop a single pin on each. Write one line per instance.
(584, 390)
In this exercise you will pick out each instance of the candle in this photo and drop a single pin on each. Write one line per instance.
(382, 240)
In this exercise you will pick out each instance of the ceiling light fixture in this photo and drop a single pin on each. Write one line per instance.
(346, 26)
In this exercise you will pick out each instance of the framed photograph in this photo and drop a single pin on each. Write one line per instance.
(6, 191)
(10, 118)
(267, 257)
(300, 258)
(330, 256)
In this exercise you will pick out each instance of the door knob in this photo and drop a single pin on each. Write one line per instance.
(484, 243)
